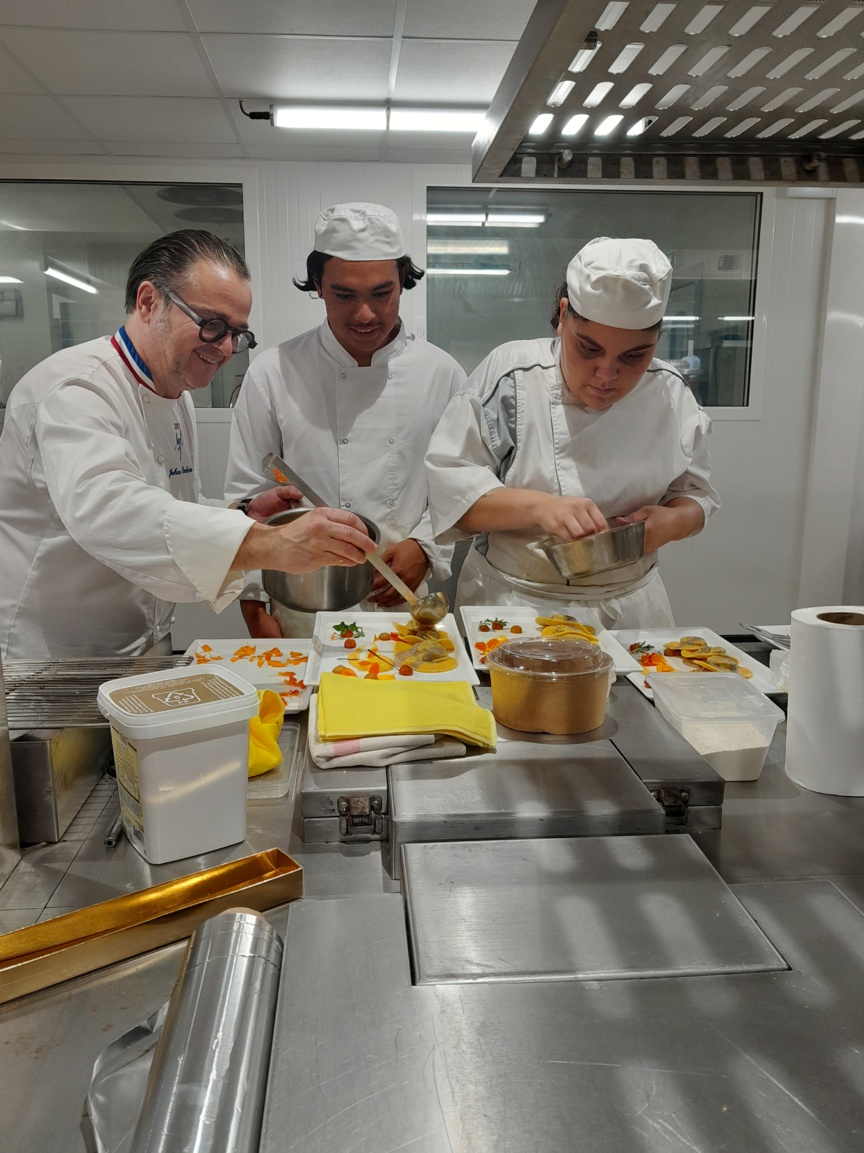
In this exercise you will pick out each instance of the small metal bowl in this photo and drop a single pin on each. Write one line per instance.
(618, 546)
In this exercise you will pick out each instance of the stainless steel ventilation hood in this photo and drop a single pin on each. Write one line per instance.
(769, 92)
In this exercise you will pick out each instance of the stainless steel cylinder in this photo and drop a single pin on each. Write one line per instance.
(207, 1083)
(328, 589)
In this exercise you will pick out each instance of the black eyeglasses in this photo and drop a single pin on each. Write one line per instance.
(213, 329)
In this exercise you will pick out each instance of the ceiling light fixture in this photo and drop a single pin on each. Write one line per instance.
(467, 271)
(473, 247)
(460, 219)
(515, 220)
(10, 280)
(73, 280)
(436, 120)
(353, 119)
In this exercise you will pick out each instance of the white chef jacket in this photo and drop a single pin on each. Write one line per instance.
(102, 526)
(517, 425)
(357, 435)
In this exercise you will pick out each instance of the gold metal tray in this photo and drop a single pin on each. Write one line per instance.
(76, 943)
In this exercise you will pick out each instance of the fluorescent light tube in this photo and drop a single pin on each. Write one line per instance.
(479, 247)
(515, 219)
(355, 119)
(10, 280)
(435, 120)
(467, 271)
(71, 280)
(475, 219)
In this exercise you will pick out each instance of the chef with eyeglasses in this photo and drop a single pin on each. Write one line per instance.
(104, 527)
(558, 437)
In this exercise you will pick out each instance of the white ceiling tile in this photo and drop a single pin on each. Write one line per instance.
(14, 78)
(435, 71)
(307, 17)
(9, 149)
(192, 151)
(471, 20)
(320, 152)
(37, 118)
(152, 118)
(289, 68)
(124, 15)
(110, 63)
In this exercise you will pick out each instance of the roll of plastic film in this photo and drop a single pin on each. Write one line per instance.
(207, 1083)
(825, 718)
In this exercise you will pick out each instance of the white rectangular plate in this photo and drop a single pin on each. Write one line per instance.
(262, 675)
(526, 620)
(328, 649)
(760, 680)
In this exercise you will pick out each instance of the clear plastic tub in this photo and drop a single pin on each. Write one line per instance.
(181, 748)
(722, 716)
(550, 684)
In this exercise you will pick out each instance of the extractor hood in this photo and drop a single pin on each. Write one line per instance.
(769, 92)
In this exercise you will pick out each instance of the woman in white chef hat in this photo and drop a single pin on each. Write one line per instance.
(558, 436)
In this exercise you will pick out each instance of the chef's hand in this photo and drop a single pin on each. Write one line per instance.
(680, 518)
(409, 561)
(274, 500)
(259, 622)
(324, 536)
(569, 517)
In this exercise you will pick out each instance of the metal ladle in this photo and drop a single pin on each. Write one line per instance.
(426, 610)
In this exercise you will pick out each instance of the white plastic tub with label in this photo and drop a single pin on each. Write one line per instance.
(181, 747)
(722, 716)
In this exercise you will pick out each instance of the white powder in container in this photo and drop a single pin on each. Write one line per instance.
(736, 751)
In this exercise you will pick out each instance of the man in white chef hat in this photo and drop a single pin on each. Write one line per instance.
(350, 405)
(566, 436)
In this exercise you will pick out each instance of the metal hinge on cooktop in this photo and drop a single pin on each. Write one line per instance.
(361, 818)
(676, 802)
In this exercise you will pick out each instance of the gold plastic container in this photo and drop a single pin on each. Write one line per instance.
(122, 927)
(550, 684)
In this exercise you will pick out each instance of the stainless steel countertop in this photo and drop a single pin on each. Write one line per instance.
(367, 1061)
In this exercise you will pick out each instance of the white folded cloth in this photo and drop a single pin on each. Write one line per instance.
(377, 751)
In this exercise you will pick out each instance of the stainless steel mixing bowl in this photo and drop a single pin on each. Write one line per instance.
(619, 545)
(329, 589)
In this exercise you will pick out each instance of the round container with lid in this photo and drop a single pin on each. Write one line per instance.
(550, 684)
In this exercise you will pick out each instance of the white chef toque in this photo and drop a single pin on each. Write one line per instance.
(622, 283)
(359, 232)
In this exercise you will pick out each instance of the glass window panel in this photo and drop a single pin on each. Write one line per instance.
(480, 295)
(92, 232)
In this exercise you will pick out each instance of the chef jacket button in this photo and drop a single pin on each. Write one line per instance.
(344, 439)
(391, 502)
(389, 375)
(160, 459)
(347, 504)
(343, 375)
(392, 440)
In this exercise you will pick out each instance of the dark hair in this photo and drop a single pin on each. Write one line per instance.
(555, 318)
(409, 273)
(166, 261)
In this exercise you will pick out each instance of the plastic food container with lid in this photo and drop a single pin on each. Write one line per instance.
(550, 684)
(181, 748)
(722, 716)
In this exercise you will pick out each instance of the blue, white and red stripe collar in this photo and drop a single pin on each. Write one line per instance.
(131, 359)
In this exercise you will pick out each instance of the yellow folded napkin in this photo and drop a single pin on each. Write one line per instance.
(350, 707)
(264, 730)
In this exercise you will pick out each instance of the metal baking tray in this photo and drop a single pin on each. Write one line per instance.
(75, 943)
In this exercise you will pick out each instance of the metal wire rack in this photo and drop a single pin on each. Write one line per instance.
(57, 694)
